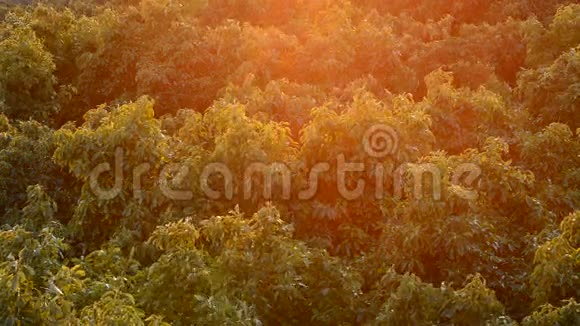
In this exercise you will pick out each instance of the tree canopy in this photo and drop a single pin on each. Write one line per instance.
(289, 162)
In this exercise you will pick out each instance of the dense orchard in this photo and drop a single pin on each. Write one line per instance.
(128, 127)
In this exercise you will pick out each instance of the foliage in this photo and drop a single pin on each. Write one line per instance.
(463, 118)
(26, 148)
(27, 83)
(417, 303)
(550, 315)
(158, 160)
(550, 154)
(555, 275)
(127, 136)
(551, 92)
